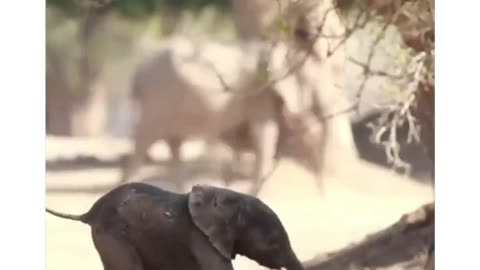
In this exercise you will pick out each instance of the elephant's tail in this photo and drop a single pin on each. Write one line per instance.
(83, 218)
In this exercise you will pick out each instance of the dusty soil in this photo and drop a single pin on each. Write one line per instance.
(364, 199)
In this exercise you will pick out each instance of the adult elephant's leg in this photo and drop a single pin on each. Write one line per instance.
(175, 145)
(264, 130)
(143, 140)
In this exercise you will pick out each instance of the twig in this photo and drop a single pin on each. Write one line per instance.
(349, 31)
(369, 71)
(372, 51)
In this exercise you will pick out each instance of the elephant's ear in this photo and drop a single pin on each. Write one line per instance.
(213, 211)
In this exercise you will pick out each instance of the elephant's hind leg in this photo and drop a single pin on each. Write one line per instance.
(116, 253)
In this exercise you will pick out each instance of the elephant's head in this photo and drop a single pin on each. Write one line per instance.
(236, 223)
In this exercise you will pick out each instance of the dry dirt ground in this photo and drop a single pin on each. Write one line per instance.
(364, 199)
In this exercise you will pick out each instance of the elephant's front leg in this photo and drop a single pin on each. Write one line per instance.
(207, 256)
(265, 133)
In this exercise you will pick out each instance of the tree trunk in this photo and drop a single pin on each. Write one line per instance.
(397, 245)
(325, 72)
(89, 112)
(169, 18)
(58, 102)
(418, 34)
(253, 18)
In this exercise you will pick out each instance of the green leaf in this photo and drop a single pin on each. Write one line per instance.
(264, 36)
(281, 25)
(263, 75)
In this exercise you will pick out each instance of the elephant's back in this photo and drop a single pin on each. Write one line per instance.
(157, 224)
(105, 211)
(182, 90)
(145, 206)
(207, 62)
(156, 73)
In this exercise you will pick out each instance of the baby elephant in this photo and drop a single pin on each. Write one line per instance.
(141, 227)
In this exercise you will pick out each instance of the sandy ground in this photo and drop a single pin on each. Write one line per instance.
(365, 198)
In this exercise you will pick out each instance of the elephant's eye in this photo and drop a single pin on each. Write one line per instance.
(215, 204)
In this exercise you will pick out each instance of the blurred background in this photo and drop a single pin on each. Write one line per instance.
(93, 50)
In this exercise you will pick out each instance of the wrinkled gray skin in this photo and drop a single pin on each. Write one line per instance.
(181, 96)
(236, 223)
(141, 227)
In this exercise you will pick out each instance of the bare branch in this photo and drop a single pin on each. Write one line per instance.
(349, 31)
(367, 70)
(395, 115)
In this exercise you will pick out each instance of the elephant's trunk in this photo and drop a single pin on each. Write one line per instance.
(293, 263)
(295, 266)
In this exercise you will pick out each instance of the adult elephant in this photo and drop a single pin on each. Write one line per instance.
(204, 91)
(207, 89)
